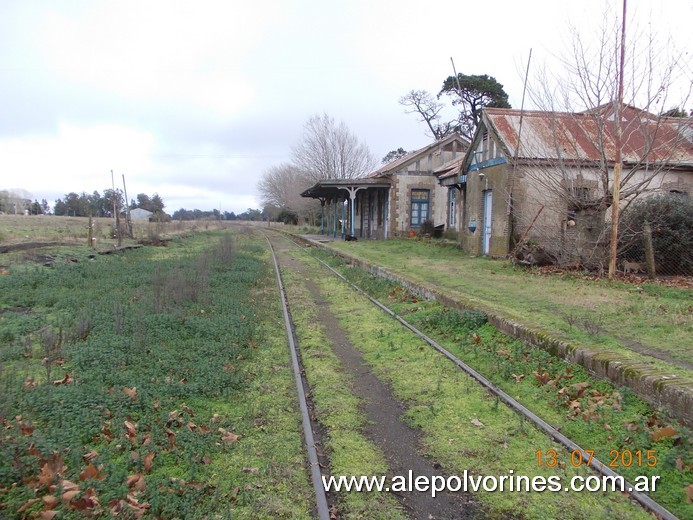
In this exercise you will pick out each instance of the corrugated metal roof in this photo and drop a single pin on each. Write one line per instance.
(573, 136)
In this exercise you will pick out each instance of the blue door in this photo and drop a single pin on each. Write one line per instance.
(488, 220)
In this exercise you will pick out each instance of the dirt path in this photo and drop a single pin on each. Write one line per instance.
(398, 442)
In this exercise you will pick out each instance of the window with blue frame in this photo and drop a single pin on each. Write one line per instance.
(420, 202)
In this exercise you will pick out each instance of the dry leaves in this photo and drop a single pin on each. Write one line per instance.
(148, 461)
(667, 431)
(228, 437)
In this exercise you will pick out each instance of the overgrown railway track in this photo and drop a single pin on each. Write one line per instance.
(321, 505)
(308, 424)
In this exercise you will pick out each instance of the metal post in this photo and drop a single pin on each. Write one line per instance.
(334, 220)
(352, 196)
(322, 216)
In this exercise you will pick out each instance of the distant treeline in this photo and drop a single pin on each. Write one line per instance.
(103, 204)
(197, 214)
(98, 205)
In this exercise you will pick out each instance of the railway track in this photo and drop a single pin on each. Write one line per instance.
(308, 425)
(321, 505)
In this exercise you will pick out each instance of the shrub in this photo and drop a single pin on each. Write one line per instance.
(671, 220)
(427, 228)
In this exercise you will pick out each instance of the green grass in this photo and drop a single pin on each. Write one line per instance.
(600, 417)
(171, 353)
(596, 313)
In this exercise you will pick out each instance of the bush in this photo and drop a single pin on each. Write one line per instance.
(671, 220)
(427, 228)
(287, 217)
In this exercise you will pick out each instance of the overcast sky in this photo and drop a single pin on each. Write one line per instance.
(194, 100)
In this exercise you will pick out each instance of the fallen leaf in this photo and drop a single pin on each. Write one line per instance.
(26, 428)
(91, 472)
(130, 392)
(28, 504)
(148, 461)
(88, 457)
(67, 496)
(478, 423)
(131, 429)
(50, 470)
(518, 377)
(667, 431)
(65, 380)
(86, 502)
(136, 482)
(689, 493)
(50, 501)
(251, 470)
(33, 451)
(228, 437)
(48, 515)
(542, 377)
(580, 388)
(680, 464)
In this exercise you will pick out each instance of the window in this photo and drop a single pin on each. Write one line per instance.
(579, 198)
(451, 194)
(420, 200)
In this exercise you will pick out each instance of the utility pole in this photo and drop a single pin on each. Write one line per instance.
(617, 166)
(116, 216)
(128, 221)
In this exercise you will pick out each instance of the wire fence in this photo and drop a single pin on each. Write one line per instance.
(656, 239)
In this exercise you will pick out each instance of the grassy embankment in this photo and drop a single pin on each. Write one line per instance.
(604, 315)
(152, 382)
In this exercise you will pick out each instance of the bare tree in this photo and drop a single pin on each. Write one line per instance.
(429, 109)
(330, 151)
(468, 93)
(581, 137)
(281, 186)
